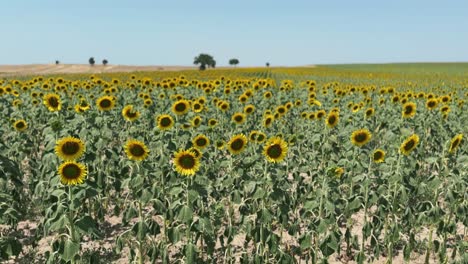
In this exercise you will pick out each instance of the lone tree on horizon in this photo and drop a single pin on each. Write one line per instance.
(57, 62)
(267, 64)
(91, 61)
(204, 60)
(104, 62)
(233, 62)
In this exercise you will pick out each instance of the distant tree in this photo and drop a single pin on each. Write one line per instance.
(204, 60)
(57, 62)
(268, 64)
(91, 61)
(233, 61)
(104, 62)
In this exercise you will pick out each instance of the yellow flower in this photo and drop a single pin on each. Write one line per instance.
(165, 122)
(409, 144)
(201, 141)
(129, 114)
(105, 103)
(332, 119)
(237, 144)
(275, 149)
(186, 162)
(409, 110)
(378, 156)
(455, 142)
(72, 173)
(20, 125)
(52, 102)
(136, 150)
(361, 137)
(180, 107)
(69, 148)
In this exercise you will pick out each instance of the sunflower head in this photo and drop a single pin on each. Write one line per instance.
(105, 103)
(72, 173)
(249, 109)
(201, 141)
(238, 118)
(20, 125)
(409, 144)
(165, 122)
(455, 142)
(409, 110)
(275, 149)
(378, 156)
(332, 119)
(136, 150)
(237, 144)
(220, 144)
(268, 120)
(181, 107)
(52, 102)
(186, 162)
(369, 112)
(360, 137)
(69, 148)
(431, 103)
(130, 114)
(196, 121)
(212, 122)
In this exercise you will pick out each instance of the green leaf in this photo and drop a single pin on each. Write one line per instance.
(190, 253)
(86, 225)
(9, 246)
(71, 249)
(185, 214)
(305, 241)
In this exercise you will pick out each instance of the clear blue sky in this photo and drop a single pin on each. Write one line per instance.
(290, 32)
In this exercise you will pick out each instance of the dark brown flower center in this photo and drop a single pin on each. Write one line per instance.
(274, 151)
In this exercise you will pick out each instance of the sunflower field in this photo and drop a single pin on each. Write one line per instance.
(263, 165)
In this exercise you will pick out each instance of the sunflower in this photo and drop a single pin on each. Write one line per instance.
(70, 148)
(275, 149)
(248, 109)
(181, 107)
(455, 142)
(332, 119)
(378, 156)
(105, 103)
(52, 102)
(253, 136)
(72, 173)
(220, 144)
(197, 107)
(369, 112)
(361, 137)
(237, 144)
(165, 122)
(20, 125)
(196, 121)
(445, 109)
(281, 110)
(320, 114)
(238, 118)
(431, 103)
(409, 110)
(186, 162)
(260, 137)
(409, 144)
(200, 141)
(268, 120)
(136, 150)
(129, 114)
(212, 122)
